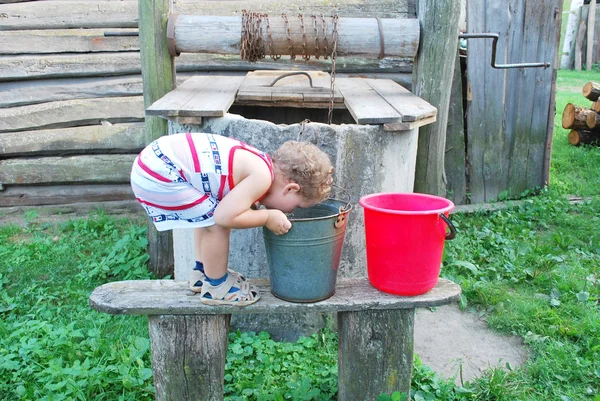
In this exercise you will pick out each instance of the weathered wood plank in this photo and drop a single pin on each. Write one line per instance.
(432, 77)
(18, 196)
(411, 107)
(455, 161)
(368, 336)
(120, 138)
(365, 104)
(168, 297)
(66, 41)
(22, 93)
(68, 113)
(108, 169)
(508, 115)
(123, 14)
(198, 97)
(13, 68)
(188, 356)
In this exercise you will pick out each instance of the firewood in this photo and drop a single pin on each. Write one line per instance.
(575, 117)
(593, 120)
(591, 91)
(596, 106)
(578, 137)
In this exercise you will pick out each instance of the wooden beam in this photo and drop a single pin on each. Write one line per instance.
(29, 195)
(432, 81)
(107, 169)
(67, 41)
(69, 113)
(158, 73)
(590, 35)
(120, 138)
(25, 67)
(123, 14)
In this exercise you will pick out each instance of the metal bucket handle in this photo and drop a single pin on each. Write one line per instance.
(344, 210)
(452, 232)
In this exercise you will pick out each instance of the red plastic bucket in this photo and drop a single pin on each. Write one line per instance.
(405, 236)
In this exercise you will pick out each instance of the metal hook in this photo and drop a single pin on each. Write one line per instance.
(289, 74)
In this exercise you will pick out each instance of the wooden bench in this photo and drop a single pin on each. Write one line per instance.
(189, 339)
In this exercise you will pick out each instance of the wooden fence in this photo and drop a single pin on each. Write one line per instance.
(71, 101)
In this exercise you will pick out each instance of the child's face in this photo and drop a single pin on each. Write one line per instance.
(287, 202)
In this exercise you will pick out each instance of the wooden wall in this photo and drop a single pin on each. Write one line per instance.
(71, 102)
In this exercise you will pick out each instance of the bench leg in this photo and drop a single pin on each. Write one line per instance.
(188, 356)
(375, 353)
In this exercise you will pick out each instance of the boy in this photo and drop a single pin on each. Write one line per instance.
(213, 184)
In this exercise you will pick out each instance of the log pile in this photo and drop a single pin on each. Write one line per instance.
(583, 122)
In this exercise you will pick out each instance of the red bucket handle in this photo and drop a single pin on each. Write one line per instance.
(452, 232)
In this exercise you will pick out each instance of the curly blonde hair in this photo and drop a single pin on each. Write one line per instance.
(306, 165)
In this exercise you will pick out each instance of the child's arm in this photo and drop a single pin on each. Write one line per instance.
(234, 209)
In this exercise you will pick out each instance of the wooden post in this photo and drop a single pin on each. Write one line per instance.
(432, 81)
(158, 74)
(375, 353)
(579, 45)
(590, 35)
(566, 60)
(188, 356)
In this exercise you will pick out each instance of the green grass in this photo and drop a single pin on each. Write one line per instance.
(531, 270)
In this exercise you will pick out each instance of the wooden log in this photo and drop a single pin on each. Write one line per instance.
(123, 14)
(98, 169)
(593, 121)
(69, 113)
(188, 356)
(18, 68)
(432, 81)
(591, 91)
(16, 196)
(66, 41)
(578, 137)
(356, 36)
(120, 138)
(596, 106)
(367, 336)
(158, 73)
(575, 117)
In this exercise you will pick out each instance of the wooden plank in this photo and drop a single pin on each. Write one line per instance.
(198, 97)
(17, 196)
(123, 14)
(409, 125)
(22, 93)
(23, 67)
(411, 107)
(66, 41)
(432, 77)
(120, 138)
(455, 161)
(365, 104)
(256, 87)
(107, 169)
(169, 297)
(69, 113)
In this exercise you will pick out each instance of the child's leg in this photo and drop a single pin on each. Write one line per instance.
(212, 249)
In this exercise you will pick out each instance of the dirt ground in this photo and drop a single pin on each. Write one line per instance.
(447, 338)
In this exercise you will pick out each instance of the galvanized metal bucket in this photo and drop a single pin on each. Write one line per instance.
(303, 263)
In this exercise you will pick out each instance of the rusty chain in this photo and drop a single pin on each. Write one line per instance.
(252, 42)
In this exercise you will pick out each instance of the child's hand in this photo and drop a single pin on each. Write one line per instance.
(278, 222)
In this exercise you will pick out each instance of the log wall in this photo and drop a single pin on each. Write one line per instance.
(71, 98)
